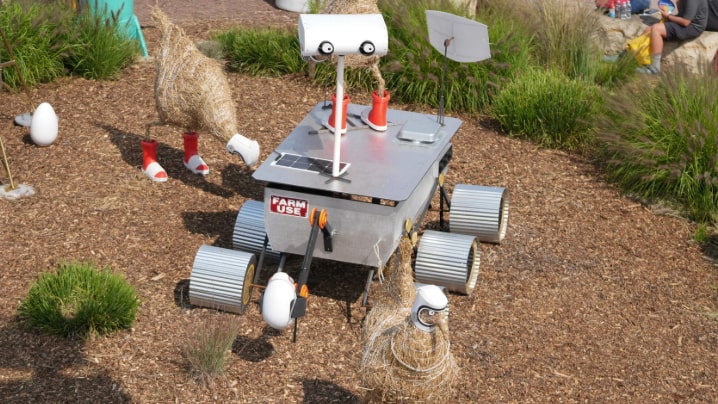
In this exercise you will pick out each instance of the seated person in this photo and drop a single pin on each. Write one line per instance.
(712, 16)
(688, 23)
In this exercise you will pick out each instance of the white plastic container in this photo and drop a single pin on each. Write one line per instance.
(297, 6)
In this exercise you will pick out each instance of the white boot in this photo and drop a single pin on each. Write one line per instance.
(247, 149)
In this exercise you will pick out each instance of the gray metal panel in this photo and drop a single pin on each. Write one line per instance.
(447, 259)
(479, 211)
(366, 233)
(217, 278)
(381, 164)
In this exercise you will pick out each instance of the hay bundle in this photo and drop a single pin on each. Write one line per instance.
(401, 363)
(191, 89)
(358, 7)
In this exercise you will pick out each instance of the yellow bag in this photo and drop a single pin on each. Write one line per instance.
(640, 47)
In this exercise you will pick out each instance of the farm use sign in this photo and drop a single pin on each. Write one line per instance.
(288, 206)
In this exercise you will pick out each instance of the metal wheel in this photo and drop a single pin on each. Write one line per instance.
(448, 259)
(479, 211)
(249, 231)
(248, 285)
(222, 279)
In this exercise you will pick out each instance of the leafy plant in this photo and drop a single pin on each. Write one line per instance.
(662, 142)
(79, 300)
(548, 108)
(208, 346)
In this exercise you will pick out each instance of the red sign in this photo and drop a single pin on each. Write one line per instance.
(288, 206)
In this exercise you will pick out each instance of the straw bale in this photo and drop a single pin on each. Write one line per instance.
(401, 363)
(351, 7)
(396, 289)
(191, 89)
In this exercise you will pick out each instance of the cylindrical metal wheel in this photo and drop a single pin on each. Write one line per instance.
(479, 211)
(448, 259)
(249, 231)
(222, 279)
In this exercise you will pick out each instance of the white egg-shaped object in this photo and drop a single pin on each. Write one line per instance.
(44, 125)
(278, 300)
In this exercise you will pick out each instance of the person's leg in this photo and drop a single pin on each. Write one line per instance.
(658, 34)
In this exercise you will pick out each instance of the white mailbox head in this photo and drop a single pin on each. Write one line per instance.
(342, 34)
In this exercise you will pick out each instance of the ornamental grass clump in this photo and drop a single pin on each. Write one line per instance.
(208, 347)
(80, 300)
(566, 36)
(661, 142)
(31, 30)
(99, 49)
(269, 52)
(548, 108)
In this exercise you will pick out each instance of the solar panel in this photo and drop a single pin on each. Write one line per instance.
(317, 165)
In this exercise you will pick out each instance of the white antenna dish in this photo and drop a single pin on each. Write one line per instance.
(458, 38)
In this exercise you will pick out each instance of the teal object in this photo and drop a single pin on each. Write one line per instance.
(124, 10)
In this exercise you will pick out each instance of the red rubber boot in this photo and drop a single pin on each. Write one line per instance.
(192, 160)
(377, 116)
(150, 167)
(343, 119)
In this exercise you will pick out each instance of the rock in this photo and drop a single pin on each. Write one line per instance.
(694, 55)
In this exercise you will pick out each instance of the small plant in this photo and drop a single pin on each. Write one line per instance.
(79, 300)
(548, 108)
(702, 233)
(208, 347)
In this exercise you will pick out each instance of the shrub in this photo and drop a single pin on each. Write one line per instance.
(661, 143)
(208, 346)
(548, 108)
(79, 300)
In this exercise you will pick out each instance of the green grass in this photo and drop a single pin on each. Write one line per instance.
(79, 300)
(208, 346)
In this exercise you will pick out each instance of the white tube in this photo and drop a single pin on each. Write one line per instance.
(338, 113)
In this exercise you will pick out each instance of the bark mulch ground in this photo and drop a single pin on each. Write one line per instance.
(591, 297)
